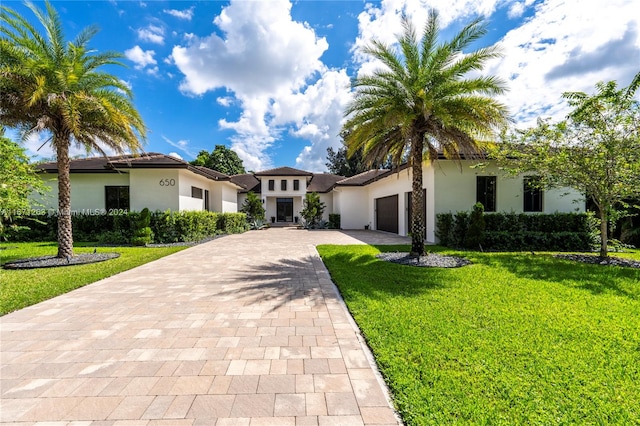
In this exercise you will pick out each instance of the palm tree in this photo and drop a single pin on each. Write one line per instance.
(427, 99)
(49, 84)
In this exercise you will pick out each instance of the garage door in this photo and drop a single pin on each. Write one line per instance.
(387, 214)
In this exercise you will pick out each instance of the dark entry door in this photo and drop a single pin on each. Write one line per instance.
(284, 209)
(387, 214)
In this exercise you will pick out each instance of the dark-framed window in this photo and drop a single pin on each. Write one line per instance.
(272, 184)
(486, 192)
(283, 185)
(296, 185)
(532, 194)
(116, 198)
(196, 192)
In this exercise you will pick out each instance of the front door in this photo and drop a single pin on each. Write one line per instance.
(284, 209)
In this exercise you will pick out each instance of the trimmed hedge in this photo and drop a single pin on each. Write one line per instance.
(521, 232)
(334, 221)
(166, 227)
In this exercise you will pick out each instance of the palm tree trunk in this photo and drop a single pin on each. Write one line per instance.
(417, 195)
(603, 233)
(65, 232)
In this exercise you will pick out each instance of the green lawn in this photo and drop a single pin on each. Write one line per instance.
(21, 288)
(514, 338)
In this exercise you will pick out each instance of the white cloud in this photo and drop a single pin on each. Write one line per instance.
(175, 155)
(225, 101)
(38, 146)
(262, 56)
(382, 21)
(316, 115)
(141, 58)
(263, 51)
(152, 34)
(182, 145)
(516, 10)
(565, 47)
(186, 14)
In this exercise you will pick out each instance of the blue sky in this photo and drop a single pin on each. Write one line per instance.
(271, 78)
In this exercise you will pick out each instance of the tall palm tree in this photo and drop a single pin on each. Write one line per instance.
(427, 99)
(51, 85)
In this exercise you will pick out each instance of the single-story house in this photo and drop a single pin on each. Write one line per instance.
(376, 199)
(133, 182)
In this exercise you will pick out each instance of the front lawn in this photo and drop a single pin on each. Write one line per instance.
(21, 288)
(514, 338)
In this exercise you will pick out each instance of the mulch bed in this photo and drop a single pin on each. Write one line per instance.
(596, 260)
(430, 260)
(53, 261)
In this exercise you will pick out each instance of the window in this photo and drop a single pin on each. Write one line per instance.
(486, 192)
(283, 185)
(116, 198)
(272, 184)
(296, 185)
(196, 192)
(532, 194)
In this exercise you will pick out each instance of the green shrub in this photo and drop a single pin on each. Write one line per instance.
(164, 227)
(474, 238)
(459, 229)
(112, 237)
(334, 221)
(444, 227)
(312, 211)
(143, 234)
(232, 223)
(520, 231)
(253, 208)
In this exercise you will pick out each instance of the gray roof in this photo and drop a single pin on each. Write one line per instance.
(364, 178)
(115, 164)
(248, 182)
(284, 171)
(323, 182)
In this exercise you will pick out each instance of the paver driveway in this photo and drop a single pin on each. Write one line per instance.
(244, 330)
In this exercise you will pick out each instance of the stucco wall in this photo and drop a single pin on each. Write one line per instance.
(563, 200)
(270, 196)
(353, 202)
(187, 202)
(229, 197)
(87, 190)
(147, 191)
(327, 199)
(455, 190)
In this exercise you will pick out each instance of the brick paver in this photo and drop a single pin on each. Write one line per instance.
(244, 330)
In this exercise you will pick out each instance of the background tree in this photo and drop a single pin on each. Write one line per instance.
(339, 163)
(54, 86)
(253, 208)
(427, 99)
(596, 150)
(18, 180)
(221, 159)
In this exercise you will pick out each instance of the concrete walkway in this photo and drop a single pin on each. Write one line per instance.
(244, 330)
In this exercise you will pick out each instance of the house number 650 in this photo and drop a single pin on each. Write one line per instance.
(167, 182)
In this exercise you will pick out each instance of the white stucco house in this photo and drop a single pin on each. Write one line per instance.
(376, 199)
(152, 180)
